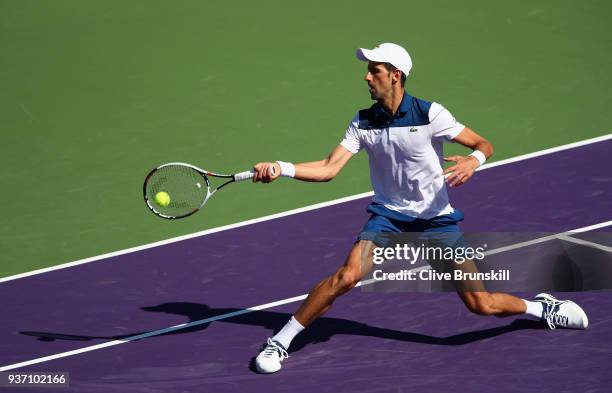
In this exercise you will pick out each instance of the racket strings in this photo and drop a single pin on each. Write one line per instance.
(186, 187)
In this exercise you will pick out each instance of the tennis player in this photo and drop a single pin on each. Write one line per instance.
(403, 136)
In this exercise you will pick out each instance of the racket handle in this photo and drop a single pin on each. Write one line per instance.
(248, 175)
(244, 175)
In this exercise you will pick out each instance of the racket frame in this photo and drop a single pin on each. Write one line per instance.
(203, 173)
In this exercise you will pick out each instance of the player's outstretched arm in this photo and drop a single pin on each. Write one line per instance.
(314, 171)
(465, 166)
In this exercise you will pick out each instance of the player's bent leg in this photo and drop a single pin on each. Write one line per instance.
(482, 302)
(487, 303)
(544, 307)
(319, 300)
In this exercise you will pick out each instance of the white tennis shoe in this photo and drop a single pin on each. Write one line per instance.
(270, 358)
(562, 313)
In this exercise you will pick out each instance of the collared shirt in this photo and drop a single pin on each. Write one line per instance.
(406, 155)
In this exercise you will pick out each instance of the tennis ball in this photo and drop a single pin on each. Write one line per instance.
(162, 198)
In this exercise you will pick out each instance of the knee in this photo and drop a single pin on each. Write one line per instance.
(345, 280)
(480, 303)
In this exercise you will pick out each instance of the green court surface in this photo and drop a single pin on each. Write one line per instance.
(96, 93)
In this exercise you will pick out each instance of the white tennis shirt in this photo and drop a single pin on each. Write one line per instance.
(405, 153)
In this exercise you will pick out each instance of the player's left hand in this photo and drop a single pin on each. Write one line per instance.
(462, 171)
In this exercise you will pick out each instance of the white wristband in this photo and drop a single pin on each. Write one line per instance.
(479, 156)
(287, 169)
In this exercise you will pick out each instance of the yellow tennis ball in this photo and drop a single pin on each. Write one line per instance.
(162, 198)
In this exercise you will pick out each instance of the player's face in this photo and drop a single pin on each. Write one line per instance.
(379, 79)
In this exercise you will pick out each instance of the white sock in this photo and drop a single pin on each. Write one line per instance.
(534, 309)
(288, 332)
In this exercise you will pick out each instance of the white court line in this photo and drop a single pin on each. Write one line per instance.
(151, 334)
(255, 308)
(585, 243)
(286, 213)
(562, 236)
(186, 237)
(547, 151)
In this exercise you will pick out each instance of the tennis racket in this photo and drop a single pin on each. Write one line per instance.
(187, 186)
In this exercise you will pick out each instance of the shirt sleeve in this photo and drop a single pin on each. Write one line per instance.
(352, 137)
(443, 124)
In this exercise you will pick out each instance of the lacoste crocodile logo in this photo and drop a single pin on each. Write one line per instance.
(413, 129)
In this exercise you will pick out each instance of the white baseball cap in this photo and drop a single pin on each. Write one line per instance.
(387, 53)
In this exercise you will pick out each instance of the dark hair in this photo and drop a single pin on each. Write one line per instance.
(390, 67)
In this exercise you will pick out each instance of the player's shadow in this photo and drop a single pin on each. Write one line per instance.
(321, 330)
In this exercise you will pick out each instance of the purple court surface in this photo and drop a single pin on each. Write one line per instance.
(368, 342)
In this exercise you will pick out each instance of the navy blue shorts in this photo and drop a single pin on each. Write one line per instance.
(388, 221)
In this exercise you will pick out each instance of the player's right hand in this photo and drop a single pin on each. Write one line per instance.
(266, 172)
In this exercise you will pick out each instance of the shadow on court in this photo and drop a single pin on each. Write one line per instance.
(320, 331)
